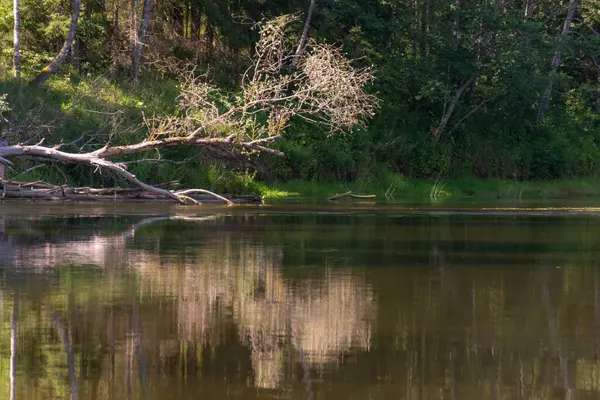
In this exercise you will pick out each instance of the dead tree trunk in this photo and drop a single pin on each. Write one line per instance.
(556, 60)
(51, 68)
(17, 39)
(221, 147)
(139, 41)
(304, 37)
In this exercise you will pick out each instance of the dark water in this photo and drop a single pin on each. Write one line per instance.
(138, 302)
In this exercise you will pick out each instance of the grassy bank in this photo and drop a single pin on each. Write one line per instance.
(67, 108)
(394, 187)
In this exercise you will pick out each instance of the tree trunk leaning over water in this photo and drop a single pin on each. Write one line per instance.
(51, 68)
(136, 57)
(99, 158)
(17, 39)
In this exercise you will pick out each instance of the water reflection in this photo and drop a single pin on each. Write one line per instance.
(299, 307)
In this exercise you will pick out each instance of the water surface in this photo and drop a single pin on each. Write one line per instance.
(477, 301)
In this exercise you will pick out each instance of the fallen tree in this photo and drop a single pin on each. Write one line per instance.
(324, 89)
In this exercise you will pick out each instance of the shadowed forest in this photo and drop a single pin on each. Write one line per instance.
(465, 88)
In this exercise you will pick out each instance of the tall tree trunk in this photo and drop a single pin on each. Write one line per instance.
(76, 55)
(133, 25)
(529, 9)
(428, 8)
(528, 15)
(450, 109)
(178, 19)
(78, 51)
(196, 20)
(556, 60)
(304, 37)
(115, 45)
(456, 25)
(17, 39)
(141, 37)
(51, 68)
(210, 38)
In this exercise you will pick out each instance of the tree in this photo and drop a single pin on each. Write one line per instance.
(139, 41)
(115, 40)
(324, 90)
(557, 58)
(51, 68)
(17, 39)
(304, 37)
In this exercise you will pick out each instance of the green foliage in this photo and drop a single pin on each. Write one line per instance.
(493, 132)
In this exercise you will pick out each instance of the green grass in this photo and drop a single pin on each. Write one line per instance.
(395, 188)
(98, 106)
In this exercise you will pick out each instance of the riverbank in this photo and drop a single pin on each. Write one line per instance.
(394, 188)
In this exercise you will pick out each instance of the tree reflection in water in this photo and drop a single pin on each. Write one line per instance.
(213, 307)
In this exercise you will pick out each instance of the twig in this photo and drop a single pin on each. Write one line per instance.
(28, 170)
(350, 194)
(208, 192)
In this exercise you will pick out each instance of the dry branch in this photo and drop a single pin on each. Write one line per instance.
(352, 195)
(44, 191)
(98, 158)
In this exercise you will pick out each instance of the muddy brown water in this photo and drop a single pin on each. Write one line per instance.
(292, 301)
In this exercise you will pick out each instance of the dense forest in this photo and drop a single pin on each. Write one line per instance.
(486, 88)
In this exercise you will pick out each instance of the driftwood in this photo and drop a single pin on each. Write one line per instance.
(44, 191)
(99, 158)
(352, 195)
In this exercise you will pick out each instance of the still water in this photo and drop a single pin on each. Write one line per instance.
(286, 302)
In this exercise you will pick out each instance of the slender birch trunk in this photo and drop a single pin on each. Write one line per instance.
(17, 39)
(304, 37)
(139, 42)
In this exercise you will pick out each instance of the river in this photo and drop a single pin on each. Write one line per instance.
(293, 301)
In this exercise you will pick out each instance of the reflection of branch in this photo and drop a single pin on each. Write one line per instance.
(132, 231)
(350, 194)
(553, 328)
(64, 335)
(138, 349)
(13, 349)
